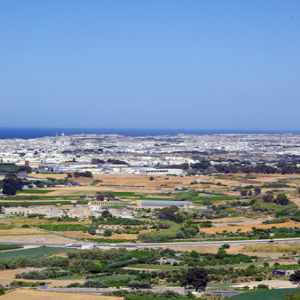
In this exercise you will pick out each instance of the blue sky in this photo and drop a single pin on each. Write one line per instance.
(189, 64)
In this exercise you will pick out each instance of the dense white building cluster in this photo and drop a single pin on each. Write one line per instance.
(140, 153)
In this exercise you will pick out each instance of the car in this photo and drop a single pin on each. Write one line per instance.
(270, 241)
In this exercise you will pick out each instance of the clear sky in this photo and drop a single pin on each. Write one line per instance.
(189, 64)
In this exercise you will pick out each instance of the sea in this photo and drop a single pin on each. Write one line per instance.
(31, 133)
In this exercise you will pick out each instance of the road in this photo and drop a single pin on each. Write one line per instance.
(108, 290)
(222, 293)
(154, 290)
(216, 243)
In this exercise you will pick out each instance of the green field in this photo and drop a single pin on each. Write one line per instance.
(40, 197)
(114, 277)
(35, 191)
(32, 253)
(4, 247)
(216, 198)
(277, 294)
(219, 286)
(64, 227)
(4, 227)
(79, 277)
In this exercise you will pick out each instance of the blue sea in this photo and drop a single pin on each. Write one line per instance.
(30, 133)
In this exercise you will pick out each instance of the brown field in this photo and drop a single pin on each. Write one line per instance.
(7, 276)
(20, 231)
(44, 176)
(126, 183)
(234, 249)
(260, 250)
(79, 234)
(35, 222)
(248, 227)
(232, 220)
(272, 248)
(141, 183)
(37, 295)
(125, 236)
(33, 237)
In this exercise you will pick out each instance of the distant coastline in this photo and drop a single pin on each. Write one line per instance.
(31, 133)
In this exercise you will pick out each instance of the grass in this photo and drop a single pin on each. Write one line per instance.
(276, 294)
(34, 253)
(223, 286)
(7, 227)
(64, 227)
(79, 277)
(39, 197)
(242, 265)
(216, 198)
(9, 247)
(35, 191)
(114, 277)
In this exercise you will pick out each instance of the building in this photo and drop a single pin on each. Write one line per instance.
(14, 210)
(150, 171)
(282, 272)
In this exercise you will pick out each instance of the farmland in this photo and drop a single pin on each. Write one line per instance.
(32, 253)
(219, 208)
(270, 295)
(37, 295)
(273, 248)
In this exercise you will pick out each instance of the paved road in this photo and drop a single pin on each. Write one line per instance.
(222, 293)
(155, 290)
(108, 290)
(217, 243)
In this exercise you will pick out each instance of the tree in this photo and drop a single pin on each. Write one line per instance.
(11, 184)
(92, 230)
(257, 191)
(196, 277)
(109, 196)
(282, 199)
(268, 197)
(295, 278)
(106, 214)
(99, 196)
(108, 232)
(194, 254)
(171, 213)
(244, 193)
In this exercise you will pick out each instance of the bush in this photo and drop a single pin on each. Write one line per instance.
(108, 232)
(262, 287)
